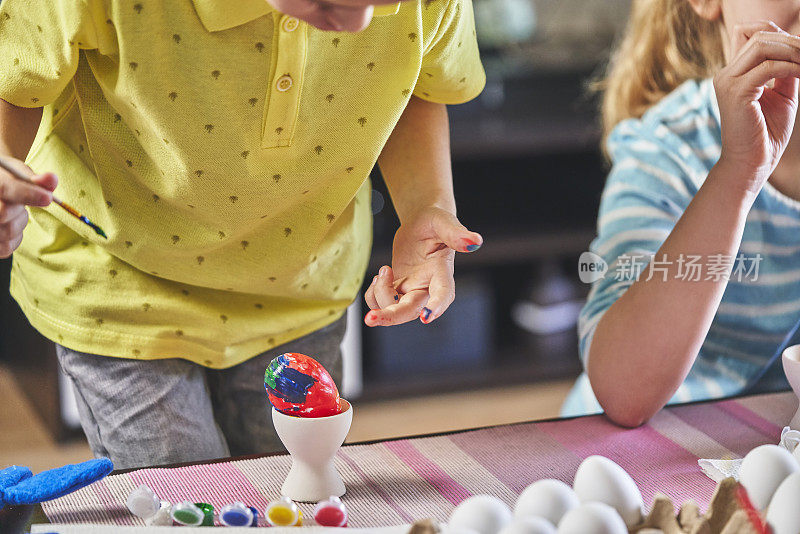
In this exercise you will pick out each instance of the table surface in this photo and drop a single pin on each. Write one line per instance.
(400, 481)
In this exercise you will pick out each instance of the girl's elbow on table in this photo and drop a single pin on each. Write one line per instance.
(627, 416)
(625, 403)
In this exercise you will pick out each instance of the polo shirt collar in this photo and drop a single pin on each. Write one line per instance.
(217, 15)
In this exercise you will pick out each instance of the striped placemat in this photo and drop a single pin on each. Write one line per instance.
(83, 528)
(398, 482)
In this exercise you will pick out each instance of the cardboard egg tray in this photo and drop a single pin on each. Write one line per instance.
(726, 515)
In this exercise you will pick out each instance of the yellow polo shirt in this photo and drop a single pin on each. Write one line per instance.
(225, 149)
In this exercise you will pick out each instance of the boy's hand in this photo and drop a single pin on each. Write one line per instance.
(331, 15)
(420, 283)
(14, 196)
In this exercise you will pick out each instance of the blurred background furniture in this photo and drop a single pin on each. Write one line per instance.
(528, 176)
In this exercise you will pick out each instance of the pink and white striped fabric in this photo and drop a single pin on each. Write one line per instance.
(397, 482)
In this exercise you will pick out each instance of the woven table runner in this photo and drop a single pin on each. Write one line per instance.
(398, 482)
(84, 528)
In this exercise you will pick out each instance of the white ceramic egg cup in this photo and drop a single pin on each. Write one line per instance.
(312, 442)
(791, 366)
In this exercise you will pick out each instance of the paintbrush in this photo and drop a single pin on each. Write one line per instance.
(69, 209)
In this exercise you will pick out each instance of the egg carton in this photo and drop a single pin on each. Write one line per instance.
(425, 526)
(727, 514)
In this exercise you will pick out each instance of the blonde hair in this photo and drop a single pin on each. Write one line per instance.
(665, 44)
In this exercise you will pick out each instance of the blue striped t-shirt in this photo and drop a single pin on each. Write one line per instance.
(659, 163)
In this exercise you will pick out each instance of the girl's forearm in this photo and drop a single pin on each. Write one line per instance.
(18, 127)
(415, 162)
(645, 344)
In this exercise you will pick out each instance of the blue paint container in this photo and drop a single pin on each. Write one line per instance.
(238, 515)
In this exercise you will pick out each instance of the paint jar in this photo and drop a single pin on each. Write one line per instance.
(283, 513)
(208, 514)
(238, 515)
(143, 502)
(188, 514)
(331, 513)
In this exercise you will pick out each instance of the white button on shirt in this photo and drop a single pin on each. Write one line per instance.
(284, 83)
(289, 53)
(290, 24)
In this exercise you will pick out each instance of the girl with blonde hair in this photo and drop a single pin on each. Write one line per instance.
(699, 222)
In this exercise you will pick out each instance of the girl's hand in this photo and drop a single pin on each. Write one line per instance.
(14, 196)
(757, 119)
(420, 281)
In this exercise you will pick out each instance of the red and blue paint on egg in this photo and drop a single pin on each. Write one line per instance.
(299, 385)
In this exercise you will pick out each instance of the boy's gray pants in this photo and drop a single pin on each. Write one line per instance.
(152, 412)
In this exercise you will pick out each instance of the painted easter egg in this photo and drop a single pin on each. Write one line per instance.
(299, 385)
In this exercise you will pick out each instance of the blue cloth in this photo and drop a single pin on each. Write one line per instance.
(12, 475)
(659, 163)
(19, 486)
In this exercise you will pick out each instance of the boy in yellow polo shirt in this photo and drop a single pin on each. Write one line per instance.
(224, 147)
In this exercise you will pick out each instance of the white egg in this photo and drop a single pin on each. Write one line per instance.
(592, 518)
(782, 512)
(548, 498)
(600, 480)
(529, 525)
(763, 470)
(796, 454)
(482, 513)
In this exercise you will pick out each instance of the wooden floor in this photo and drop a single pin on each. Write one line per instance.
(456, 411)
(24, 440)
